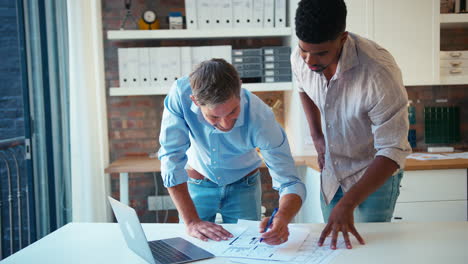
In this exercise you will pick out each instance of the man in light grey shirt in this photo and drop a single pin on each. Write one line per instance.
(356, 106)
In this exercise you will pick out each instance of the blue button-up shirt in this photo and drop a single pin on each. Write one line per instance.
(224, 157)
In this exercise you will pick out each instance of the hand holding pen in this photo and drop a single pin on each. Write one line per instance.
(278, 232)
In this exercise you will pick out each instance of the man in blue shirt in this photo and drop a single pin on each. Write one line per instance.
(210, 131)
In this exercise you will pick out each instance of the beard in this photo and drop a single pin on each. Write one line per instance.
(318, 68)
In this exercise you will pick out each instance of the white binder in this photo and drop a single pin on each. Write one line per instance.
(123, 67)
(215, 11)
(155, 72)
(185, 61)
(144, 67)
(268, 13)
(132, 63)
(225, 10)
(200, 54)
(204, 14)
(257, 13)
(169, 65)
(280, 13)
(191, 14)
(242, 13)
(222, 52)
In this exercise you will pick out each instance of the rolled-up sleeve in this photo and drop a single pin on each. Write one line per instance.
(174, 140)
(389, 117)
(271, 139)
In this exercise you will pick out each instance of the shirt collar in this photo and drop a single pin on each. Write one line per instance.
(240, 119)
(348, 58)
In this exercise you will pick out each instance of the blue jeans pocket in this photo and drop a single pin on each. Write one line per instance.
(251, 180)
(195, 181)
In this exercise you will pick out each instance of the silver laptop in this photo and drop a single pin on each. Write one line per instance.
(164, 251)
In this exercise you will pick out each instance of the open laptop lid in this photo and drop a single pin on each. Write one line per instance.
(131, 229)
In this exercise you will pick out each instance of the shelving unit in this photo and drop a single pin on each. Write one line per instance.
(198, 34)
(253, 87)
(132, 35)
(453, 20)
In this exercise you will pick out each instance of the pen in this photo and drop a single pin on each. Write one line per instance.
(270, 221)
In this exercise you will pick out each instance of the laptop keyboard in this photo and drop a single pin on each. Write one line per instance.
(166, 254)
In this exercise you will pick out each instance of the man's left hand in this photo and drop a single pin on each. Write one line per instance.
(278, 232)
(341, 220)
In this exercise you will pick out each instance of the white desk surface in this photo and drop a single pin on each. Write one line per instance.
(386, 243)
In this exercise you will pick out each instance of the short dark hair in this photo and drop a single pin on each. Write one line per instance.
(214, 82)
(318, 21)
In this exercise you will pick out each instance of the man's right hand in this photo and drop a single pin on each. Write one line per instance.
(320, 148)
(204, 230)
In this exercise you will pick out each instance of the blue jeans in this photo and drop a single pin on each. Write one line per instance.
(238, 200)
(378, 207)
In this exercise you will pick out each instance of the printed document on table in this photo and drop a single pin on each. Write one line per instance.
(309, 253)
(246, 244)
(457, 155)
(426, 156)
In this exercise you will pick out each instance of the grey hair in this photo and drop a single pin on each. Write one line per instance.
(214, 82)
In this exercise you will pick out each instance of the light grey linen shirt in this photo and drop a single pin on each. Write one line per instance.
(363, 110)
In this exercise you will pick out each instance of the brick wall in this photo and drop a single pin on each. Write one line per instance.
(134, 121)
(11, 96)
(11, 126)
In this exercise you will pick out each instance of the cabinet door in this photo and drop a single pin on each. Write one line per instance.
(409, 30)
(359, 17)
(311, 211)
(430, 211)
(433, 185)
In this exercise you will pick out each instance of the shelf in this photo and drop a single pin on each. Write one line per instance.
(449, 20)
(198, 34)
(450, 80)
(253, 87)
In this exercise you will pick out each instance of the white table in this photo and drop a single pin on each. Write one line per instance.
(386, 243)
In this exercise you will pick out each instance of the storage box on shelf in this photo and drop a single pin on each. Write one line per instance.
(454, 67)
(267, 64)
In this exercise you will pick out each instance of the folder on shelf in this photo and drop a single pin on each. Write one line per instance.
(133, 67)
(191, 14)
(155, 72)
(144, 67)
(204, 14)
(185, 61)
(223, 52)
(169, 64)
(200, 54)
(225, 11)
(215, 11)
(123, 67)
(242, 13)
(268, 13)
(280, 13)
(257, 13)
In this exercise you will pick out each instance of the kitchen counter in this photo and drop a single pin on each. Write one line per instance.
(141, 164)
(132, 164)
(411, 164)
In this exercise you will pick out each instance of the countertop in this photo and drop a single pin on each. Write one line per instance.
(146, 164)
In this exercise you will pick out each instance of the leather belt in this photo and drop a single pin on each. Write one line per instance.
(198, 176)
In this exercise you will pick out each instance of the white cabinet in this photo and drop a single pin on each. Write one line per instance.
(432, 195)
(443, 211)
(359, 17)
(425, 196)
(409, 30)
(311, 211)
